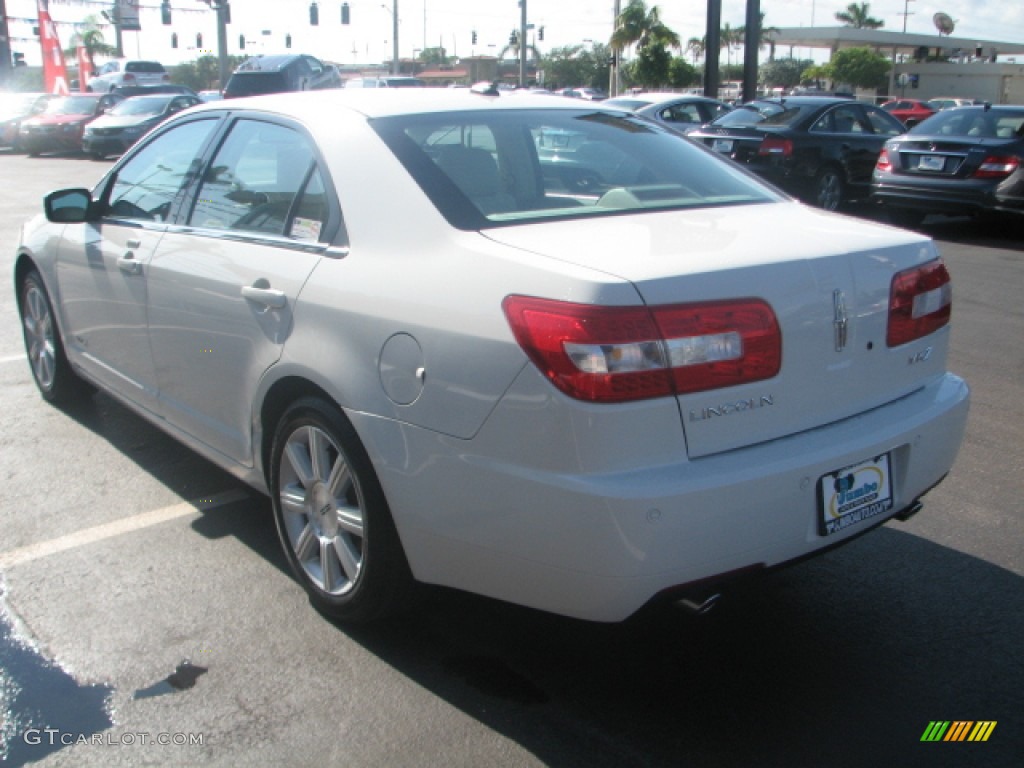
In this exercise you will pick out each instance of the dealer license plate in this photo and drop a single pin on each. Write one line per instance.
(931, 163)
(722, 145)
(854, 494)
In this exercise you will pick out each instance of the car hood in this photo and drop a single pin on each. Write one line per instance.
(809, 266)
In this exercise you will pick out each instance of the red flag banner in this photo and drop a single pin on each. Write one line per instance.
(84, 69)
(55, 74)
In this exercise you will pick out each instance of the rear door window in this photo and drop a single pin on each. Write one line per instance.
(263, 179)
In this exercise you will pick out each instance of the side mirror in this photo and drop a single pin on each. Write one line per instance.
(68, 206)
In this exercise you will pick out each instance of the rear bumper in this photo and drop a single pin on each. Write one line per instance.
(485, 515)
(950, 197)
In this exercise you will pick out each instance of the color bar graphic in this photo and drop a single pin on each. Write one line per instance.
(958, 730)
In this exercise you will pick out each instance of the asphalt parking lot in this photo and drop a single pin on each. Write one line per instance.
(147, 615)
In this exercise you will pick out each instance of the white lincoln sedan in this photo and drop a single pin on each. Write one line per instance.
(536, 349)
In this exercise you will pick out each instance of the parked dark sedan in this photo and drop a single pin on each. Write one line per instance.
(60, 126)
(966, 160)
(130, 120)
(14, 109)
(676, 109)
(821, 150)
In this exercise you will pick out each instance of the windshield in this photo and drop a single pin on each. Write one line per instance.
(255, 83)
(73, 105)
(485, 169)
(141, 105)
(632, 104)
(749, 114)
(974, 123)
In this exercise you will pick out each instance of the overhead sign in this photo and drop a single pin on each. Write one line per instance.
(128, 14)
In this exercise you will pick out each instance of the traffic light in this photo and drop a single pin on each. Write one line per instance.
(540, 34)
(344, 13)
(199, 39)
(174, 39)
(314, 14)
(19, 59)
(287, 41)
(241, 42)
(165, 12)
(474, 37)
(513, 37)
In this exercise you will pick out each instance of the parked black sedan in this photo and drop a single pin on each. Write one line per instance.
(968, 160)
(819, 149)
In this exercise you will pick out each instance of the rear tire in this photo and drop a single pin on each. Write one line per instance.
(51, 370)
(331, 515)
(829, 189)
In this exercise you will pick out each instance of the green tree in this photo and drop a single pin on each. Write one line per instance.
(783, 73)
(576, 66)
(682, 73)
(696, 46)
(434, 57)
(858, 16)
(859, 67)
(203, 73)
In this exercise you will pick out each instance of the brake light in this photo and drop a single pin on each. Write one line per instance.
(618, 354)
(883, 164)
(773, 146)
(920, 302)
(997, 167)
(129, 78)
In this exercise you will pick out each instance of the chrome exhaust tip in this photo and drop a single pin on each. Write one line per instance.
(698, 606)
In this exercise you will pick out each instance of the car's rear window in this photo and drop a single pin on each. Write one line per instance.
(255, 83)
(974, 123)
(494, 168)
(145, 67)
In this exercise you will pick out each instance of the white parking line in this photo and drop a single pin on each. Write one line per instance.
(12, 359)
(32, 552)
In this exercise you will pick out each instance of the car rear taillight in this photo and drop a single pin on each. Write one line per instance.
(773, 146)
(883, 164)
(617, 354)
(129, 78)
(920, 302)
(997, 167)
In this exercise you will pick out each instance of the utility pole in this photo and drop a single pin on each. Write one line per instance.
(396, 66)
(6, 64)
(613, 70)
(522, 43)
(751, 48)
(712, 48)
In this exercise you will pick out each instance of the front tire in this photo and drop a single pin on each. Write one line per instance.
(51, 370)
(331, 515)
(829, 189)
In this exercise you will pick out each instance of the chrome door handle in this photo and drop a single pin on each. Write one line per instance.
(265, 295)
(129, 265)
(133, 243)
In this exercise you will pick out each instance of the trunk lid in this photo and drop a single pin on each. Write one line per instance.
(814, 269)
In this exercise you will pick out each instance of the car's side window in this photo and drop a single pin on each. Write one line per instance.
(882, 122)
(146, 186)
(256, 178)
(681, 113)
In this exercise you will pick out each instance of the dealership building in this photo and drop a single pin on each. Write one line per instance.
(926, 66)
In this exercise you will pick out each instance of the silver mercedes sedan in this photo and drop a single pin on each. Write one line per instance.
(536, 349)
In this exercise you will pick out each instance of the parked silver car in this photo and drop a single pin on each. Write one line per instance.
(528, 347)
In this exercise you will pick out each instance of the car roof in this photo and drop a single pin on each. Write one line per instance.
(268, 63)
(311, 106)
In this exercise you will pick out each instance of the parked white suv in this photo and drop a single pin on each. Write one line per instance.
(128, 72)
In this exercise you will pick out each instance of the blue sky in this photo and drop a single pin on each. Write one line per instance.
(367, 39)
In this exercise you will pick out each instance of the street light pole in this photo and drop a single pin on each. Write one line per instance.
(6, 64)
(395, 69)
(522, 44)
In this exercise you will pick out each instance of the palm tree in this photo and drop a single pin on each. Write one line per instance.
(642, 27)
(89, 36)
(858, 16)
(696, 46)
(764, 36)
